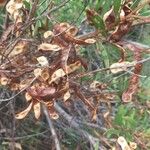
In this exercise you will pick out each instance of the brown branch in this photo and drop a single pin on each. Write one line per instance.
(74, 124)
(54, 135)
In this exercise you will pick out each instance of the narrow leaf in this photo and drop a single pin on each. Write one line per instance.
(117, 6)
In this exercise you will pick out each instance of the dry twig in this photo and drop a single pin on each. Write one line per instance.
(57, 144)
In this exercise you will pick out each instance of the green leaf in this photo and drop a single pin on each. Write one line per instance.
(119, 119)
(117, 6)
(27, 4)
(96, 146)
(145, 13)
(147, 133)
(130, 122)
(99, 24)
(112, 132)
(98, 4)
(135, 4)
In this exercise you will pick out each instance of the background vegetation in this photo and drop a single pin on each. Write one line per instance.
(75, 128)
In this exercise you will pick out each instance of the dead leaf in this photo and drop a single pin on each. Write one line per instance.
(37, 72)
(64, 26)
(4, 80)
(90, 41)
(18, 146)
(48, 34)
(41, 91)
(123, 143)
(54, 115)
(49, 47)
(13, 144)
(43, 61)
(17, 17)
(133, 145)
(24, 83)
(45, 74)
(119, 67)
(72, 31)
(60, 72)
(67, 96)
(94, 115)
(14, 86)
(24, 113)
(28, 97)
(56, 75)
(13, 8)
(94, 84)
(37, 110)
(13, 5)
(72, 67)
(109, 18)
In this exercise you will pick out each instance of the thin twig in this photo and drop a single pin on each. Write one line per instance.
(25, 137)
(74, 124)
(57, 144)
(33, 9)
